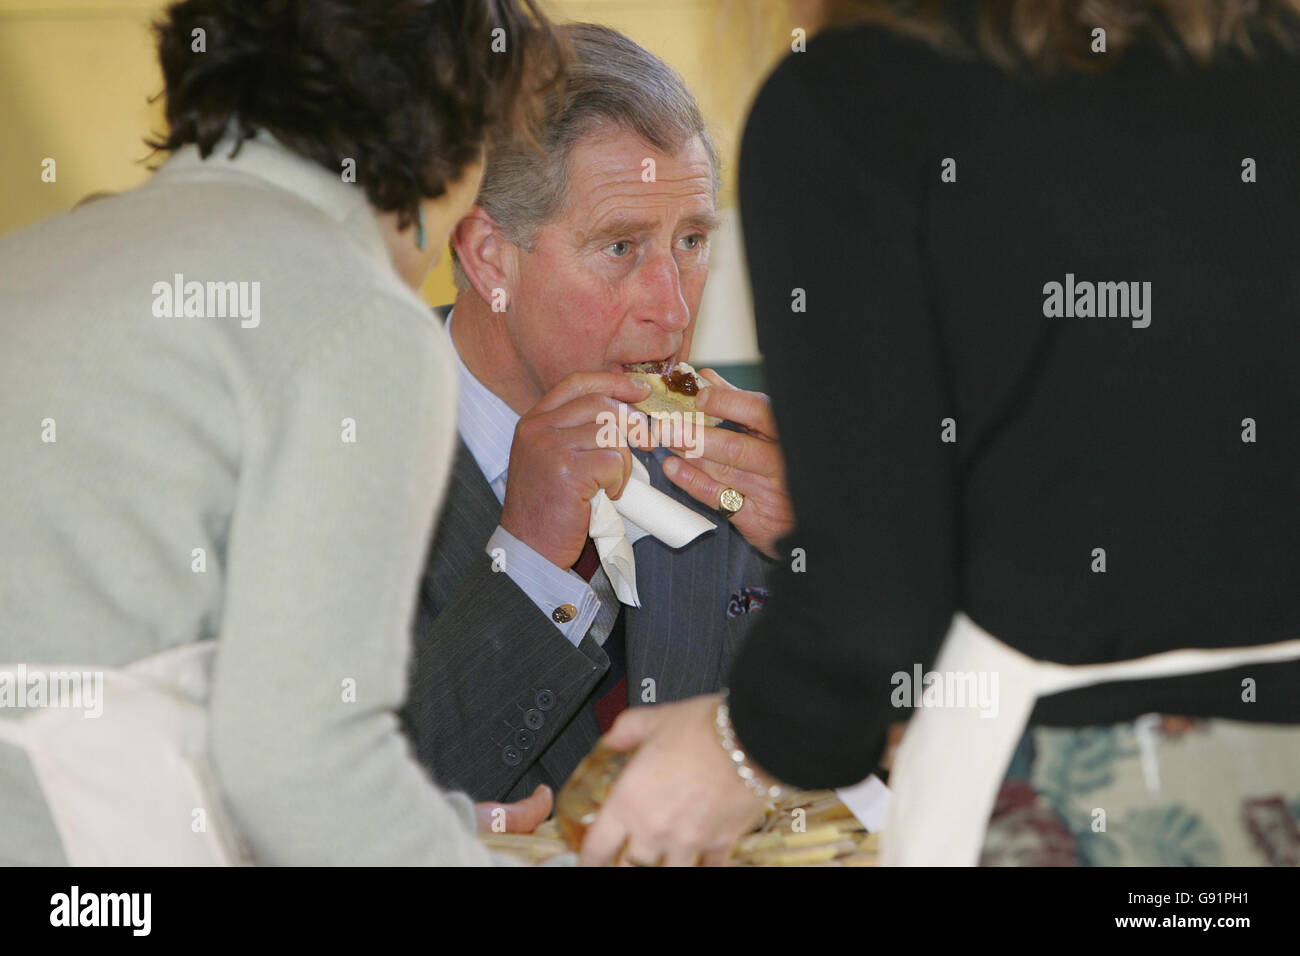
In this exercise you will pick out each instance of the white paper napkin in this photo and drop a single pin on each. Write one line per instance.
(868, 801)
(647, 511)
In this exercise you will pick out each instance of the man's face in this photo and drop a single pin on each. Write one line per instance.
(616, 276)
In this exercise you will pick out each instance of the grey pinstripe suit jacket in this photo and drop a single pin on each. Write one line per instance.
(497, 699)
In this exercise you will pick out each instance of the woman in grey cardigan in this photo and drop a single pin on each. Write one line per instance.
(226, 428)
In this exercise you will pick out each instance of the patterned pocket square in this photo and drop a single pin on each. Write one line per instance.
(746, 600)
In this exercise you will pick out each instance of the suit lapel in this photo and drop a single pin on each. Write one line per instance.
(676, 637)
(470, 513)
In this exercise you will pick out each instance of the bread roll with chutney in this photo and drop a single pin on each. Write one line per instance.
(673, 390)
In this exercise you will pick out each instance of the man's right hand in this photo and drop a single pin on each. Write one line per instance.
(558, 463)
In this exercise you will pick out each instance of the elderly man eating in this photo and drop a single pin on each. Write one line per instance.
(580, 259)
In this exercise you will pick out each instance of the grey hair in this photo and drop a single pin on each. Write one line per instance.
(611, 81)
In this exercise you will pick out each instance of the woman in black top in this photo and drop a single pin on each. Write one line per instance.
(979, 417)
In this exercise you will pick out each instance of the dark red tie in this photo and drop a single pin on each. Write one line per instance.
(611, 693)
(588, 561)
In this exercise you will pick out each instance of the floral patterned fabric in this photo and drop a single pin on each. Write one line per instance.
(746, 600)
(1160, 791)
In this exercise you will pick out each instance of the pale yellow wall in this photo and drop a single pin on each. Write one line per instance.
(75, 80)
(76, 77)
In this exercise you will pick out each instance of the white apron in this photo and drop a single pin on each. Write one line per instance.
(951, 762)
(132, 787)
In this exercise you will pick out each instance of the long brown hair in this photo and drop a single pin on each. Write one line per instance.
(1047, 35)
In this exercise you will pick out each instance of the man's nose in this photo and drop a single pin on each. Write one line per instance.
(661, 294)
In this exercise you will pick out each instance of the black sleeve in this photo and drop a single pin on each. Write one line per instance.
(858, 390)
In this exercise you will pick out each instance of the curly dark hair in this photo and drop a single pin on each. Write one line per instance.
(409, 89)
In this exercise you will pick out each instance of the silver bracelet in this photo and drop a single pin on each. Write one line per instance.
(727, 734)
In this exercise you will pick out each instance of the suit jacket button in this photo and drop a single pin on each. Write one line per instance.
(533, 720)
(524, 739)
(511, 756)
(545, 700)
(564, 614)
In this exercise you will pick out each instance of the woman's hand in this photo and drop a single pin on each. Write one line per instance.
(679, 801)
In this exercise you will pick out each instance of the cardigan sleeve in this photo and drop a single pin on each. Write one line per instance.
(343, 466)
(855, 368)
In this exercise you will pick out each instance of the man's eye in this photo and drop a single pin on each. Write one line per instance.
(693, 242)
(619, 249)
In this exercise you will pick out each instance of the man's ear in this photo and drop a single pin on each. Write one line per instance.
(485, 255)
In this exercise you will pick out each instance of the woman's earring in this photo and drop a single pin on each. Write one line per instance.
(419, 228)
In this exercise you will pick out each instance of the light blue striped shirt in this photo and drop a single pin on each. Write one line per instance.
(487, 426)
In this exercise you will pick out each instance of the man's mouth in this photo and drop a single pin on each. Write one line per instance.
(655, 366)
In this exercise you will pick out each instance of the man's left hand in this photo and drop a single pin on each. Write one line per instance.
(749, 461)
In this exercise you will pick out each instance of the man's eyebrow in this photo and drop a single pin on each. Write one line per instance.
(703, 221)
(619, 228)
(627, 226)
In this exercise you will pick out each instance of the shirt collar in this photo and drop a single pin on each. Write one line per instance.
(263, 157)
(486, 423)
